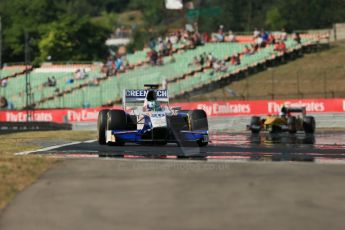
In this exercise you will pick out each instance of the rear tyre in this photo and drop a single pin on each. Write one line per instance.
(116, 120)
(292, 125)
(309, 124)
(254, 122)
(102, 125)
(198, 121)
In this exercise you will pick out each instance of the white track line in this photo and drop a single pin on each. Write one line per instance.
(48, 148)
(89, 141)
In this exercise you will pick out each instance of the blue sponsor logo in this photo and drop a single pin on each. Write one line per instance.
(137, 93)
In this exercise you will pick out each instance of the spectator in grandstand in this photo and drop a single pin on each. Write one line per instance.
(210, 58)
(118, 64)
(164, 84)
(206, 37)
(52, 82)
(201, 60)
(3, 102)
(231, 37)
(256, 33)
(271, 39)
(219, 37)
(297, 38)
(169, 48)
(235, 59)
(283, 35)
(280, 46)
(246, 50)
(4, 83)
(259, 41)
(153, 57)
(255, 48)
(220, 66)
(152, 43)
(70, 81)
(49, 82)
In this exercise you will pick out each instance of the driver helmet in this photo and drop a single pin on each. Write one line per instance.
(283, 111)
(153, 105)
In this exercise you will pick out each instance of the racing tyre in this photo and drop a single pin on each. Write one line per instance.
(102, 125)
(198, 121)
(309, 124)
(254, 122)
(292, 125)
(116, 120)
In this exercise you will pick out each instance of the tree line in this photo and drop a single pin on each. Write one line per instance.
(75, 30)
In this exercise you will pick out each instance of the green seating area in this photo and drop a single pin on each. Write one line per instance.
(182, 76)
(112, 88)
(206, 77)
(15, 89)
(10, 71)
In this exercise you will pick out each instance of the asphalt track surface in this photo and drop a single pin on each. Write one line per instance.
(239, 181)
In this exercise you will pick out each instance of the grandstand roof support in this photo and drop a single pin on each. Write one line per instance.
(28, 101)
(0, 45)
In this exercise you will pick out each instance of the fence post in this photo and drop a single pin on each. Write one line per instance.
(272, 84)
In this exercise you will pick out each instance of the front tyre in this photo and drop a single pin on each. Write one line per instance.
(292, 125)
(116, 120)
(255, 124)
(309, 124)
(101, 126)
(198, 121)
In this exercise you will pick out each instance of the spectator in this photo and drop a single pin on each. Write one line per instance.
(4, 83)
(297, 38)
(280, 46)
(256, 33)
(201, 60)
(152, 43)
(3, 103)
(52, 82)
(246, 50)
(206, 37)
(283, 35)
(153, 57)
(118, 64)
(264, 36)
(231, 37)
(164, 84)
(70, 81)
(48, 83)
(271, 39)
(77, 75)
(235, 59)
(219, 37)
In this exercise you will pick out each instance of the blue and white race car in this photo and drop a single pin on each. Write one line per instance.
(151, 123)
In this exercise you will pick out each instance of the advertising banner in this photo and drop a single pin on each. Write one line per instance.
(213, 109)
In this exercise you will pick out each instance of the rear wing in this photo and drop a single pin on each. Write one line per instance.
(296, 110)
(139, 95)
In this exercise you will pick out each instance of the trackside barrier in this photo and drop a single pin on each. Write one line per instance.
(8, 127)
(213, 109)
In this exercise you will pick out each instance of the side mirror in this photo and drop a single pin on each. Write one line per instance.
(176, 108)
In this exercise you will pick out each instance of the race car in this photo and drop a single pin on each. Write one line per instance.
(284, 122)
(153, 122)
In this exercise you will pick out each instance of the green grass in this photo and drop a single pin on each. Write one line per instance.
(18, 172)
(317, 75)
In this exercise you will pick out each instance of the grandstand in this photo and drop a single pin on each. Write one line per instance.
(182, 77)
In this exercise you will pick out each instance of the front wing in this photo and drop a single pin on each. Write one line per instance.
(137, 136)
